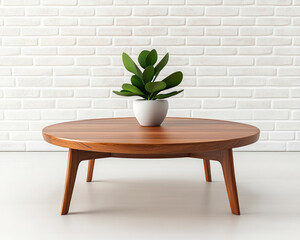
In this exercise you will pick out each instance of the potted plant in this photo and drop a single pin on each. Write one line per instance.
(152, 109)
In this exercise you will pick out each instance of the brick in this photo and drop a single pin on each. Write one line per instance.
(59, 2)
(60, 21)
(202, 21)
(186, 11)
(221, 31)
(42, 11)
(56, 93)
(9, 12)
(288, 11)
(274, 2)
(186, 51)
(238, 2)
(92, 93)
(22, 115)
(22, 22)
(217, 103)
(201, 92)
(120, 31)
(71, 82)
(236, 93)
(39, 51)
(211, 71)
(73, 103)
(220, 81)
(28, 135)
(234, 21)
(12, 146)
(273, 21)
(16, 61)
(241, 41)
(186, 31)
(168, 41)
(94, 113)
(77, 12)
(295, 92)
(92, 61)
(110, 104)
(58, 114)
(10, 104)
(254, 71)
(94, 2)
(38, 104)
(95, 21)
(254, 31)
(150, 11)
(179, 103)
(227, 114)
(54, 61)
(113, 11)
(204, 2)
(54, 41)
(166, 21)
(203, 41)
(271, 41)
(270, 114)
(274, 61)
(71, 71)
(32, 71)
(221, 11)
(94, 41)
(271, 93)
(256, 11)
(222, 61)
(288, 125)
(255, 50)
(254, 104)
(76, 51)
(131, 2)
(7, 82)
(286, 104)
(34, 82)
(282, 135)
(166, 2)
(20, 42)
(9, 51)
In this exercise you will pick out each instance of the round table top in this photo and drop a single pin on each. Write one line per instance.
(175, 135)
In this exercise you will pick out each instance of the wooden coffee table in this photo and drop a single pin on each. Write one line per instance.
(176, 137)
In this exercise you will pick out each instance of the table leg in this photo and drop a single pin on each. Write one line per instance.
(73, 163)
(207, 171)
(90, 170)
(226, 161)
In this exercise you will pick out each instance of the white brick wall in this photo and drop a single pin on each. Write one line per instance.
(61, 59)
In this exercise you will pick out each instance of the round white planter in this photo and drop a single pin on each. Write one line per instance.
(150, 112)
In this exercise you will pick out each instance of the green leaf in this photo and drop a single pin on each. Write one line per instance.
(167, 95)
(130, 88)
(151, 58)
(136, 81)
(148, 74)
(173, 80)
(142, 58)
(130, 65)
(161, 65)
(124, 93)
(152, 87)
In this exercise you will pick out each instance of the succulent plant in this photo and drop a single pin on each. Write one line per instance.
(143, 83)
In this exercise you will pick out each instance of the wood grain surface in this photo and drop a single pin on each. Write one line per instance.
(175, 135)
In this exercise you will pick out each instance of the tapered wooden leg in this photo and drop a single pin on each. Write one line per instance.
(90, 170)
(73, 163)
(229, 176)
(207, 171)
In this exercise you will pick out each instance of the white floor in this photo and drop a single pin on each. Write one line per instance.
(149, 199)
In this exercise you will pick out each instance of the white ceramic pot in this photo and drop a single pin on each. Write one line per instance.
(150, 112)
